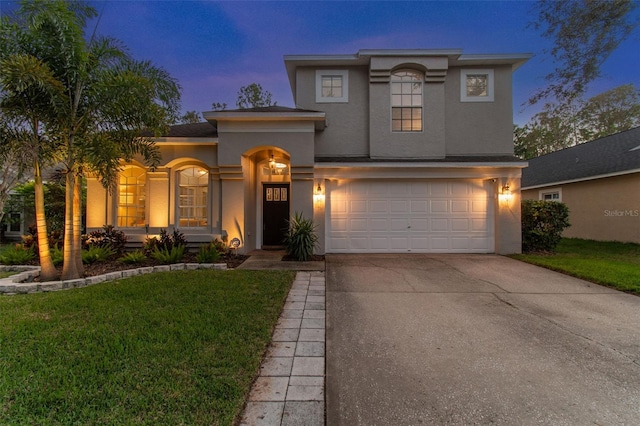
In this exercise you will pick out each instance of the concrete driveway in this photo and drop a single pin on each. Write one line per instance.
(476, 339)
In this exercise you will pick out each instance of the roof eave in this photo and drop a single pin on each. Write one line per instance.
(581, 179)
(319, 118)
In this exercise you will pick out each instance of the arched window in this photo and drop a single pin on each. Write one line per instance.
(406, 101)
(132, 197)
(193, 183)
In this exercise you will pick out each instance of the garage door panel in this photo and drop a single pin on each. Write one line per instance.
(338, 206)
(419, 225)
(358, 206)
(358, 225)
(440, 225)
(440, 243)
(379, 206)
(460, 225)
(438, 188)
(479, 225)
(460, 189)
(358, 243)
(399, 206)
(419, 206)
(480, 243)
(459, 206)
(399, 225)
(419, 244)
(439, 206)
(379, 243)
(409, 216)
(459, 243)
(479, 206)
(339, 225)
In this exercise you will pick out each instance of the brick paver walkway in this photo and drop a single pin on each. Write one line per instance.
(290, 388)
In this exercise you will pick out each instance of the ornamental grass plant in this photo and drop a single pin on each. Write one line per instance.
(301, 238)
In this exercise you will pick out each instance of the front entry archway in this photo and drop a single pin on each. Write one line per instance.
(275, 213)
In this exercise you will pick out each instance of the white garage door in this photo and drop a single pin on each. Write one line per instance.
(428, 216)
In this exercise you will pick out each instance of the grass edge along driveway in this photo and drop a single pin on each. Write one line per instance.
(179, 347)
(608, 263)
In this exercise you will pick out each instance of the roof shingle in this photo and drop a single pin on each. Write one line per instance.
(611, 154)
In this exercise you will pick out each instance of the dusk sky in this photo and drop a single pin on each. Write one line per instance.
(213, 48)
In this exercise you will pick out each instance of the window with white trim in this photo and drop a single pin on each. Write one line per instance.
(476, 85)
(406, 101)
(332, 86)
(132, 197)
(193, 184)
(550, 194)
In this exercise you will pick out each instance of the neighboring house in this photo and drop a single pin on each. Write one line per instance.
(600, 183)
(400, 151)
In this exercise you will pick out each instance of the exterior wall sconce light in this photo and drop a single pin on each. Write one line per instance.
(318, 194)
(505, 194)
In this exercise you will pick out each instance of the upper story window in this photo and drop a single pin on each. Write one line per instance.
(476, 85)
(193, 183)
(132, 197)
(332, 86)
(406, 101)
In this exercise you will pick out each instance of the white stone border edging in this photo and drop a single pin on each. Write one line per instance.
(22, 282)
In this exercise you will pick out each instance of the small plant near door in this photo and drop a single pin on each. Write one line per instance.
(300, 238)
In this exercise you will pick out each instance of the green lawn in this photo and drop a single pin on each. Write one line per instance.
(168, 348)
(4, 274)
(609, 263)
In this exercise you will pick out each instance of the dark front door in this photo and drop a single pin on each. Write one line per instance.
(275, 213)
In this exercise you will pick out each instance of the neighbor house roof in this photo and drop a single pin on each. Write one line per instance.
(608, 156)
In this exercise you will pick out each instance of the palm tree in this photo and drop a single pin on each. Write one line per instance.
(27, 87)
(106, 103)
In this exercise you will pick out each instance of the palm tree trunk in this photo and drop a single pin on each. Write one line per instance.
(77, 223)
(47, 270)
(69, 269)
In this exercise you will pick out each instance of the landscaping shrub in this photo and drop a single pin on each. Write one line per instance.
(30, 240)
(97, 254)
(165, 242)
(301, 238)
(17, 254)
(208, 253)
(57, 256)
(136, 256)
(169, 256)
(542, 224)
(108, 237)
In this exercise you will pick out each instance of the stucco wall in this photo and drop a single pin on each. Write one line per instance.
(347, 131)
(479, 128)
(362, 127)
(601, 209)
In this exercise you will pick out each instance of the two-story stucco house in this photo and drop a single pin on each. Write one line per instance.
(404, 151)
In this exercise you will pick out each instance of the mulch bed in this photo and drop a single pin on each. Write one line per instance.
(100, 268)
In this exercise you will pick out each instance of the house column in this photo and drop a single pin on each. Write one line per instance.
(96, 204)
(232, 203)
(508, 220)
(158, 200)
(302, 192)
